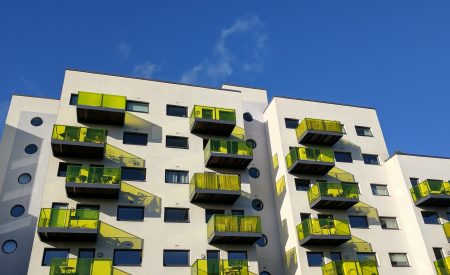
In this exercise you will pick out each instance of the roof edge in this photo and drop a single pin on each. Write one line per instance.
(325, 102)
(399, 153)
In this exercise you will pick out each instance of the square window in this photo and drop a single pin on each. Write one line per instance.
(291, 123)
(127, 257)
(237, 212)
(363, 131)
(176, 215)
(304, 216)
(86, 253)
(398, 259)
(335, 256)
(135, 138)
(136, 106)
(133, 174)
(62, 168)
(367, 257)
(358, 221)
(302, 184)
(414, 181)
(50, 253)
(430, 217)
(176, 258)
(315, 258)
(73, 100)
(388, 223)
(130, 213)
(177, 142)
(177, 176)
(343, 157)
(371, 159)
(210, 212)
(174, 110)
(438, 253)
(379, 189)
(237, 255)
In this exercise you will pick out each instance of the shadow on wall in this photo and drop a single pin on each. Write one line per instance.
(347, 146)
(133, 122)
(354, 246)
(111, 238)
(284, 232)
(362, 208)
(291, 261)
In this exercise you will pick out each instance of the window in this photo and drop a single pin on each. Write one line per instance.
(304, 216)
(62, 168)
(438, 254)
(131, 257)
(358, 221)
(398, 259)
(430, 217)
(9, 246)
(262, 242)
(248, 117)
(371, 159)
(414, 181)
(448, 216)
(236, 212)
(335, 256)
(257, 204)
(31, 149)
(177, 142)
(73, 99)
(174, 110)
(177, 176)
(237, 255)
(24, 178)
(253, 173)
(367, 257)
(176, 214)
(36, 121)
(315, 258)
(130, 213)
(86, 253)
(50, 253)
(136, 106)
(302, 184)
(291, 123)
(343, 157)
(363, 131)
(379, 189)
(135, 138)
(388, 223)
(17, 210)
(176, 258)
(210, 212)
(135, 174)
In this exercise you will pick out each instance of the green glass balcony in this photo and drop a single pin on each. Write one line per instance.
(431, 193)
(350, 268)
(80, 266)
(220, 267)
(212, 120)
(323, 232)
(229, 229)
(319, 132)
(215, 188)
(302, 160)
(228, 154)
(78, 142)
(93, 182)
(447, 230)
(101, 108)
(442, 266)
(331, 195)
(68, 225)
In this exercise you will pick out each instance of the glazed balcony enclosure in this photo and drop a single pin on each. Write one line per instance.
(368, 267)
(93, 182)
(68, 225)
(83, 266)
(446, 227)
(443, 266)
(302, 160)
(212, 120)
(101, 108)
(228, 154)
(431, 193)
(220, 267)
(230, 229)
(78, 142)
(214, 188)
(332, 195)
(319, 132)
(323, 232)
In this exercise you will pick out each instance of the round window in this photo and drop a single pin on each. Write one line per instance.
(24, 178)
(9, 246)
(253, 172)
(248, 117)
(257, 204)
(36, 121)
(262, 241)
(17, 210)
(252, 142)
(264, 273)
(31, 149)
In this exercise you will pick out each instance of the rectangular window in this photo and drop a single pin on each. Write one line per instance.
(304, 216)
(379, 189)
(358, 221)
(371, 159)
(430, 217)
(315, 258)
(127, 257)
(398, 259)
(62, 168)
(136, 106)
(363, 131)
(343, 157)
(176, 258)
(388, 223)
(367, 257)
(86, 253)
(177, 176)
(291, 123)
(335, 256)
(133, 174)
(438, 254)
(414, 181)
(237, 255)
(176, 214)
(130, 213)
(237, 212)
(174, 110)
(177, 142)
(50, 253)
(135, 138)
(302, 184)
(210, 212)
(73, 100)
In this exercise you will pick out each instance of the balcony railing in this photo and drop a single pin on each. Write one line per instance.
(309, 161)
(431, 193)
(96, 182)
(215, 188)
(123, 158)
(101, 108)
(228, 154)
(319, 132)
(341, 175)
(212, 120)
(220, 267)
(326, 232)
(447, 230)
(234, 229)
(350, 267)
(443, 266)
(333, 195)
(81, 266)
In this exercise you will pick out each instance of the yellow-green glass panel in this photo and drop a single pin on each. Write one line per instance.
(78, 134)
(84, 267)
(97, 175)
(333, 189)
(231, 223)
(318, 125)
(309, 154)
(323, 227)
(215, 182)
(442, 266)
(350, 267)
(447, 229)
(430, 187)
(69, 218)
(229, 147)
(89, 99)
(102, 100)
(220, 267)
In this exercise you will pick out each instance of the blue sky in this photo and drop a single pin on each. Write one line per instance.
(391, 55)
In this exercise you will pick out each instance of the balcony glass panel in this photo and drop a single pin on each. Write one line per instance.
(328, 189)
(220, 267)
(78, 134)
(213, 113)
(323, 227)
(102, 100)
(430, 187)
(98, 175)
(442, 266)
(350, 267)
(215, 182)
(309, 154)
(228, 147)
(69, 218)
(230, 223)
(84, 267)
(318, 125)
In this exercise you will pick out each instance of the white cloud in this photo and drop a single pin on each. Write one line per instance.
(241, 48)
(146, 69)
(124, 50)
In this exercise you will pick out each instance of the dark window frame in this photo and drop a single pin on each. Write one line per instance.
(142, 208)
(376, 184)
(73, 100)
(168, 106)
(53, 249)
(178, 176)
(136, 250)
(289, 122)
(311, 253)
(141, 179)
(177, 138)
(390, 228)
(304, 183)
(179, 251)
(213, 212)
(363, 134)
(139, 102)
(403, 265)
(342, 153)
(438, 221)
(134, 135)
(371, 155)
(358, 216)
(188, 220)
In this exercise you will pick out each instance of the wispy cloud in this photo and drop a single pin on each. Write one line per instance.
(124, 50)
(146, 69)
(27, 84)
(241, 49)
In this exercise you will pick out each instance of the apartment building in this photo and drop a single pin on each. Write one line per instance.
(123, 175)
